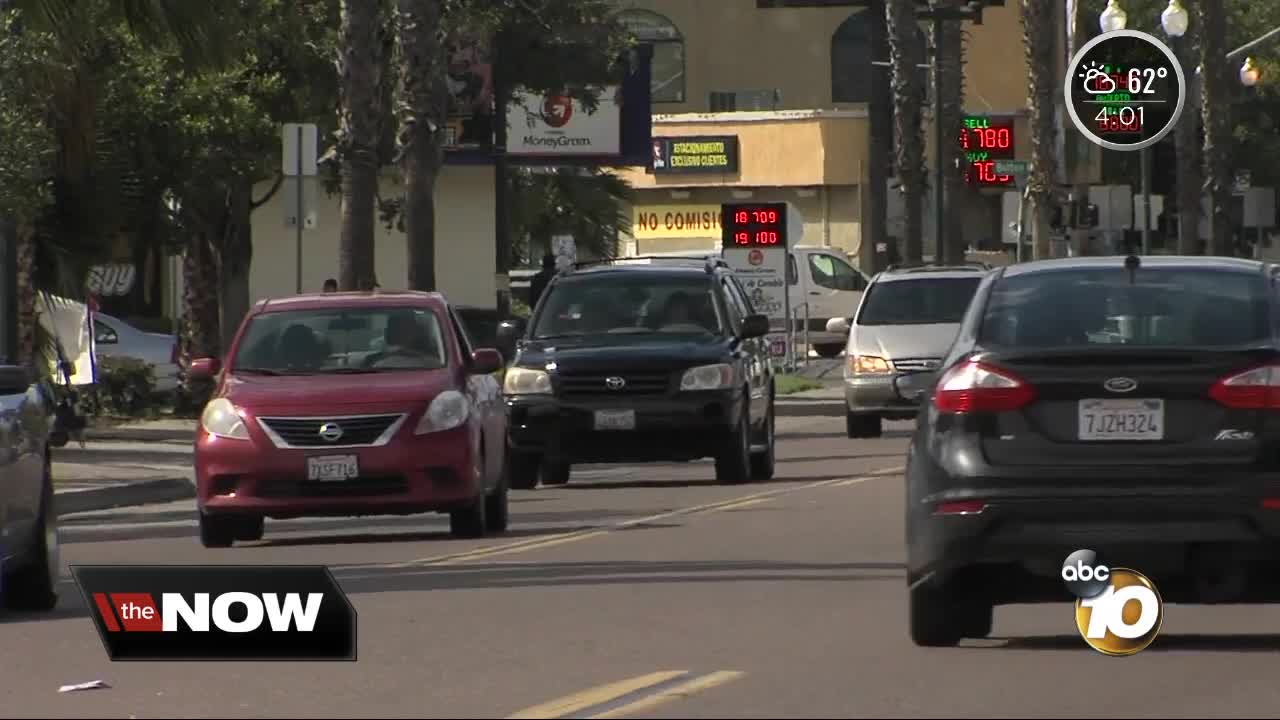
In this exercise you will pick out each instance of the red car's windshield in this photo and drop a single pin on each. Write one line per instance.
(345, 340)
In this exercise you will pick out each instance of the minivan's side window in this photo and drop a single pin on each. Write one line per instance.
(104, 334)
(793, 277)
(831, 272)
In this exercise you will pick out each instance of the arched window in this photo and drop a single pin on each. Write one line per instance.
(851, 59)
(667, 85)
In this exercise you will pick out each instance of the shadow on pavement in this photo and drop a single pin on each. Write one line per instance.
(90, 456)
(820, 458)
(472, 576)
(1263, 642)
(70, 605)
(811, 435)
(430, 526)
(824, 408)
(441, 536)
(692, 482)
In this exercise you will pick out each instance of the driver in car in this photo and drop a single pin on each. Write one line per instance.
(405, 340)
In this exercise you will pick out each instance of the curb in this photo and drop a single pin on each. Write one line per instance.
(139, 435)
(144, 492)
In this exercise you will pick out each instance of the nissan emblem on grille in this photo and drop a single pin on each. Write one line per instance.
(615, 383)
(331, 432)
(1120, 385)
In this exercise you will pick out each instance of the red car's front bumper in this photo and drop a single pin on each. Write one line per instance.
(410, 474)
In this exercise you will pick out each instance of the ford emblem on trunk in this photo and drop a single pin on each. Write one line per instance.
(331, 432)
(615, 383)
(1121, 385)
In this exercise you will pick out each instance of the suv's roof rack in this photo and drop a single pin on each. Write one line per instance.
(711, 261)
(933, 265)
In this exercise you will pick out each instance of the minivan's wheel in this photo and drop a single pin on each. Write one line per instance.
(828, 350)
(733, 463)
(470, 521)
(497, 512)
(858, 425)
(935, 619)
(555, 473)
(522, 470)
(32, 586)
(762, 462)
(217, 531)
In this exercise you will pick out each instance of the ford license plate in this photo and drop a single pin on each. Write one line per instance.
(330, 468)
(1121, 420)
(615, 420)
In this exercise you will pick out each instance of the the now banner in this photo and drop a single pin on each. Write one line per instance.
(218, 612)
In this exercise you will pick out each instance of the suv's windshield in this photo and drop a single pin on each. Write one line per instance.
(643, 303)
(347, 340)
(918, 301)
(1177, 307)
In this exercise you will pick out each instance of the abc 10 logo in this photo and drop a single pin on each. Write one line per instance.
(1118, 610)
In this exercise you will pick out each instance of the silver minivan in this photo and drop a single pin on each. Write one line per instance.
(904, 326)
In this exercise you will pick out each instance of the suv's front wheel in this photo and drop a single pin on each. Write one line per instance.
(733, 462)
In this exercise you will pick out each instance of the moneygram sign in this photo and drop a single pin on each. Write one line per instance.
(559, 125)
(219, 612)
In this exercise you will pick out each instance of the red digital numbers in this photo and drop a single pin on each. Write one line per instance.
(742, 238)
(984, 172)
(766, 237)
(995, 138)
(766, 217)
(755, 225)
(741, 217)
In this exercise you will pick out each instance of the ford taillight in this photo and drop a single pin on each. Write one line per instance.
(974, 386)
(1253, 389)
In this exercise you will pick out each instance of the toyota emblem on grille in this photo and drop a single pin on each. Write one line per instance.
(331, 432)
(1121, 385)
(615, 383)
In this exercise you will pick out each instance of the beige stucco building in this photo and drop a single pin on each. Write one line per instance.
(791, 87)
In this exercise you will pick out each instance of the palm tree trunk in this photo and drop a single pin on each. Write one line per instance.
(199, 336)
(422, 107)
(952, 58)
(906, 52)
(1216, 108)
(25, 280)
(1040, 39)
(360, 67)
(1189, 181)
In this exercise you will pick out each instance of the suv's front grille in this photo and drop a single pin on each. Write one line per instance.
(917, 364)
(620, 384)
(305, 432)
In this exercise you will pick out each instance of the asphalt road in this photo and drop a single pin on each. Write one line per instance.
(640, 592)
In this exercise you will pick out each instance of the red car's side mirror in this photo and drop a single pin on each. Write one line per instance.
(204, 368)
(485, 361)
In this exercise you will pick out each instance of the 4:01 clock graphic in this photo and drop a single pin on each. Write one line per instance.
(1125, 90)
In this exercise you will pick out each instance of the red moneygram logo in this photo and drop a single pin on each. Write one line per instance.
(219, 612)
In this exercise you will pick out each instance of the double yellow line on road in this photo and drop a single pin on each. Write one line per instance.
(627, 697)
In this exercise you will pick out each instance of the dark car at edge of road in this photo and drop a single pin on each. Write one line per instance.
(652, 362)
(29, 561)
(347, 404)
(1129, 406)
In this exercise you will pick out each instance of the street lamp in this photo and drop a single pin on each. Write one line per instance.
(1114, 17)
(1249, 73)
(1174, 19)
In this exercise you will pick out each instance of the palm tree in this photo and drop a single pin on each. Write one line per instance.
(1189, 173)
(361, 72)
(422, 108)
(951, 58)
(96, 190)
(906, 53)
(589, 204)
(1040, 39)
(1216, 81)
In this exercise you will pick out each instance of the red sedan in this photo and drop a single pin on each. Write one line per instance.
(346, 404)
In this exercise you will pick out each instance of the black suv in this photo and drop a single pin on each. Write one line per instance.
(627, 362)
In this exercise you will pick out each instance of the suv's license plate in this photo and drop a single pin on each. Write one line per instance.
(1121, 419)
(615, 419)
(329, 468)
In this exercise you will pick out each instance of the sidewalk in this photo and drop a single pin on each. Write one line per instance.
(111, 473)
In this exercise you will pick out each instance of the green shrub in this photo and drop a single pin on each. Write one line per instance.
(519, 309)
(125, 388)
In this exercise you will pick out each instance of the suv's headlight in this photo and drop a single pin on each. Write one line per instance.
(868, 365)
(222, 419)
(526, 381)
(447, 411)
(708, 377)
